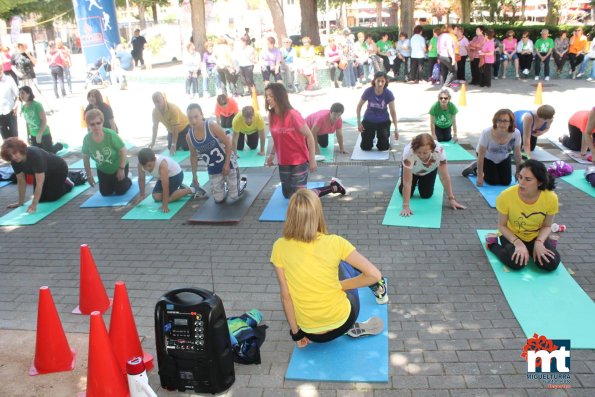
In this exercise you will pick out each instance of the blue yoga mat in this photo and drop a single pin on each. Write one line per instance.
(277, 205)
(546, 303)
(5, 183)
(490, 192)
(346, 359)
(97, 200)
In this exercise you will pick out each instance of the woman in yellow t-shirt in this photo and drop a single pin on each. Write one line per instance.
(319, 274)
(525, 215)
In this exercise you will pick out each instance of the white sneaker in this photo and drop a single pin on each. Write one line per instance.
(590, 79)
(580, 74)
(526, 71)
(547, 78)
(536, 78)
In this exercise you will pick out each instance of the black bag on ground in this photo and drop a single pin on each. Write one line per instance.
(77, 177)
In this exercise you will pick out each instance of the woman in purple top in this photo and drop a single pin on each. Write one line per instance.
(271, 62)
(208, 68)
(376, 122)
(487, 52)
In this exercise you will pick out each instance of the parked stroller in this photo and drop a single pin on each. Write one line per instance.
(99, 73)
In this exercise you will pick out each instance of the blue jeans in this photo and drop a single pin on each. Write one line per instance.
(205, 80)
(583, 66)
(349, 75)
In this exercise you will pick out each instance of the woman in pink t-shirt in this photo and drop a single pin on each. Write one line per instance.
(510, 55)
(487, 52)
(293, 144)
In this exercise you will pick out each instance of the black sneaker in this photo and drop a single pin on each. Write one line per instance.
(243, 184)
(471, 169)
(336, 182)
(372, 326)
(57, 147)
(379, 290)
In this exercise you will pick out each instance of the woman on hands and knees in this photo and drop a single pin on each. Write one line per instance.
(525, 216)
(319, 274)
(423, 158)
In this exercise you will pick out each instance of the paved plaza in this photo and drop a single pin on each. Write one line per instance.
(451, 332)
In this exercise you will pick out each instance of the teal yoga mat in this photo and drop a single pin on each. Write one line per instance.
(149, 210)
(20, 217)
(180, 155)
(427, 213)
(80, 164)
(346, 359)
(329, 151)
(249, 158)
(455, 152)
(578, 180)
(546, 303)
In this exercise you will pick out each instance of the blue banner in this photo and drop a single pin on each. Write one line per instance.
(98, 28)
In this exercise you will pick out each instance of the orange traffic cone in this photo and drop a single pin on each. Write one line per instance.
(255, 100)
(463, 95)
(539, 94)
(122, 330)
(104, 377)
(92, 294)
(83, 121)
(52, 352)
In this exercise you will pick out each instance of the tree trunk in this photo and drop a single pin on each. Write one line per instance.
(50, 31)
(278, 20)
(141, 16)
(155, 16)
(198, 19)
(553, 12)
(342, 17)
(378, 13)
(310, 20)
(523, 4)
(466, 10)
(406, 25)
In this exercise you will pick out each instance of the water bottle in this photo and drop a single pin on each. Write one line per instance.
(138, 382)
(558, 228)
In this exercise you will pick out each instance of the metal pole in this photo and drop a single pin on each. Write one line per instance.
(328, 22)
(129, 17)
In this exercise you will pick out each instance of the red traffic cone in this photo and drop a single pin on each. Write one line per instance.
(52, 352)
(104, 377)
(92, 296)
(122, 330)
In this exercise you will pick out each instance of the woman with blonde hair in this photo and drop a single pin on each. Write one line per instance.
(319, 274)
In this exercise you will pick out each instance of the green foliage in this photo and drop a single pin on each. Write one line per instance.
(45, 9)
(156, 44)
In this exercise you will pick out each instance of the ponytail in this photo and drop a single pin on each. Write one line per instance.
(546, 181)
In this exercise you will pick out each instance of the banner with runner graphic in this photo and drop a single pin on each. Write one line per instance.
(98, 28)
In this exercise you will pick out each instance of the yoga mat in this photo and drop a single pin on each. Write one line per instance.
(455, 152)
(231, 211)
(249, 158)
(97, 200)
(427, 213)
(277, 205)
(576, 156)
(490, 192)
(541, 155)
(150, 210)
(180, 155)
(81, 165)
(20, 217)
(351, 121)
(546, 303)
(578, 180)
(329, 151)
(346, 359)
(5, 183)
(66, 149)
(374, 154)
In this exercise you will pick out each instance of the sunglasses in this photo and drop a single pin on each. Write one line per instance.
(444, 98)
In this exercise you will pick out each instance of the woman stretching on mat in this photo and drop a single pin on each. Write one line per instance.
(493, 151)
(376, 122)
(109, 152)
(50, 172)
(423, 158)
(525, 216)
(37, 122)
(319, 274)
(533, 123)
(577, 139)
(443, 118)
(293, 143)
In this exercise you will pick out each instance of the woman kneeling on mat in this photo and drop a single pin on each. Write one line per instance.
(423, 158)
(493, 151)
(443, 118)
(577, 139)
(319, 274)
(532, 124)
(525, 215)
(376, 122)
(293, 143)
(50, 172)
(109, 152)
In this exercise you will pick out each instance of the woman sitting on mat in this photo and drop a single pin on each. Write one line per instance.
(109, 152)
(443, 118)
(96, 102)
(319, 274)
(493, 151)
(50, 172)
(423, 158)
(37, 122)
(533, 123)
(525, 216)
(577, 139)
(376, 122)
(293, 143)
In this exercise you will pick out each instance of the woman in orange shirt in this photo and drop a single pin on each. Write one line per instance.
(225, 110)
(576, 50)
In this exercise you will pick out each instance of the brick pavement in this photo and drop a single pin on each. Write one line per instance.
(451, 331)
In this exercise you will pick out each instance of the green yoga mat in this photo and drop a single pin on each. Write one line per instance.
(180, 155)
(578, 180)
(150, 210)
(249, 158)
(455, 152)
(427, 213)
(20, 217)
(329, 151)
(546, 303)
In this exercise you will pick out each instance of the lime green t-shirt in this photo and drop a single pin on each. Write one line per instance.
(433, 52)
(442, 117)
(239, 124)
(105, 153)
(543, 46)
(31, 113)
(384, 46)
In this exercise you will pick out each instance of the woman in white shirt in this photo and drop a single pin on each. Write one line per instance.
(525, 50)
(418, 54)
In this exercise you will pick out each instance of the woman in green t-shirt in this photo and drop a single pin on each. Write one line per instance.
(37, 124)
(443, 118)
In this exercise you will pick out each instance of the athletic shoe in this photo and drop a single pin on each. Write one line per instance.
(372, 326)
(197, 191)
(580, 74)
(495, 77)
(379, 290)
(590, 79)
(57, 147)
(69, 182)
(471, 169)
(547, 78)
(339, 185)
(536, 78)
(243, 184)
(504, 77)
(526, 71)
